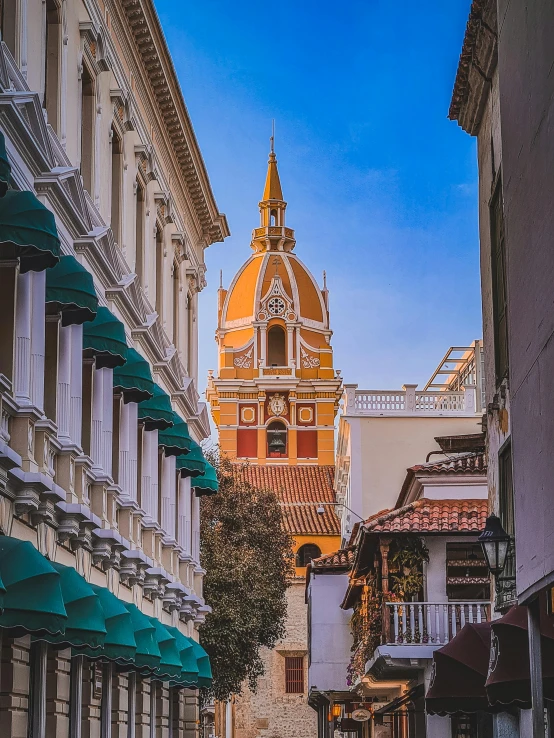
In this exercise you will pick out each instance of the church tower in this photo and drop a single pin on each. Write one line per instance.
(276, 394)
(274, 402)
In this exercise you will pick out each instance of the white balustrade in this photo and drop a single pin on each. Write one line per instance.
(430, 623)
(408, 401)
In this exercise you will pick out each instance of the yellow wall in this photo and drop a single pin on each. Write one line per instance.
(327, 544)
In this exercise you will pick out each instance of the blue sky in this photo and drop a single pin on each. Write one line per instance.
(381, 186)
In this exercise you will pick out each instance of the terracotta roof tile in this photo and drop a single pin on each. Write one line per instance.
(432, 516)
(471, 463)
(341, 559)
(300, 490)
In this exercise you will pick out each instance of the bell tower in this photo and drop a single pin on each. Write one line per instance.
(275, 395)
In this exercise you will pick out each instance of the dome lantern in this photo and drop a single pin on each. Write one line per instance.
(272, 234)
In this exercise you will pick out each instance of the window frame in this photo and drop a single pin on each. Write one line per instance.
(294, 674)
(300, 552)
(499, 283)
(272, 331)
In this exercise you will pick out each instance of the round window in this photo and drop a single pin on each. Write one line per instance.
(276, 306)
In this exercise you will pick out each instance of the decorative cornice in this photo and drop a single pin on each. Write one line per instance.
(477, 64)
(145, 26)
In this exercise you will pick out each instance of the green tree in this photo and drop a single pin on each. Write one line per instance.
(247, 555)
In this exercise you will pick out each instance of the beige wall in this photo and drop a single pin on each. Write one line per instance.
(383, 448)
(270, 712)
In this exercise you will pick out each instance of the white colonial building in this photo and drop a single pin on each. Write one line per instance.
(105, 215)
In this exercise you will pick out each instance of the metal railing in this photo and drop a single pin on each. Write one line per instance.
(429, 623)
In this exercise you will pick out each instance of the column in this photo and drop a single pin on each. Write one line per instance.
(64, 385)
(149, 488)
(38, 338)
(195, 514)
(76, 392)
(169, 478)
(128, 450)
(290, 345)
(22, 374)
(263, 344)
(107, 420)
(97, 413)
(184, 533)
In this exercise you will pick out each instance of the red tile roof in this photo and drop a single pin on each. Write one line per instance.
(341, 559)
(300, 490)
(432, 516)
(471, 463)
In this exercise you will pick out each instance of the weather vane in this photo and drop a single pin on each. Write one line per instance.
(272, 138)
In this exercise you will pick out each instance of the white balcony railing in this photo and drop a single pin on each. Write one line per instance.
(408, 401)
(430, 623)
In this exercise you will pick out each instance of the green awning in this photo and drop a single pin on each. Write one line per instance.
(5, 168)
(148, 656)
(119, 644)
(86, 624)
(33, 600)
(156, 413)
(104, 338)
(170, 665)
(70, 290)
(176, 440)
(204, 667)
(206, 484)
(192, 464)
(134, 379)
(28, 232)
(189, 671)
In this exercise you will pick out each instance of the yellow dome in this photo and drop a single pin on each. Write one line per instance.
(280, 276)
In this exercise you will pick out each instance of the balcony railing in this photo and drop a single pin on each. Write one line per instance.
(429, 623)
(408, 401)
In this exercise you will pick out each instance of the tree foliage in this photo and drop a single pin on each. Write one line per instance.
(247, 556)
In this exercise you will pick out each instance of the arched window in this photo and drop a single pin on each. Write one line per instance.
(159, 272)
(139, 232)
(273, 218)
(306, 553)
(52, 63)
(176, 290)
(88, 116)
(276, 346)
(276, 440)
(117, 179)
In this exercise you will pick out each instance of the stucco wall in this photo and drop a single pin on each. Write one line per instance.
(270, 712)
(384, 447)
(330, 638)
(526, 86)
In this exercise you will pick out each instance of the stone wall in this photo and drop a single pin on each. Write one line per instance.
(271, 712)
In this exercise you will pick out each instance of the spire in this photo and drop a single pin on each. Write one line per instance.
(272, 189)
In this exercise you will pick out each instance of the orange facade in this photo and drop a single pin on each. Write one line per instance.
(275, 396)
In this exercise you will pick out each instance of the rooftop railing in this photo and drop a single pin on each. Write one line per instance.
(408, 401)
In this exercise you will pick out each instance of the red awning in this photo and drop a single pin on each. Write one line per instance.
(508, 682)
(459, 673)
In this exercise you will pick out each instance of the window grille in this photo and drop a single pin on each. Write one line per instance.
(294, 674)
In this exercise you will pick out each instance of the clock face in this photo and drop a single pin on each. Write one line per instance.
(276, 306)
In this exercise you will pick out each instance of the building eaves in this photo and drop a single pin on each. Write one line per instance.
(152, 46)
(476, 66)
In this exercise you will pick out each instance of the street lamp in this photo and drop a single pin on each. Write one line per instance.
(321, 508)
(495, 543)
